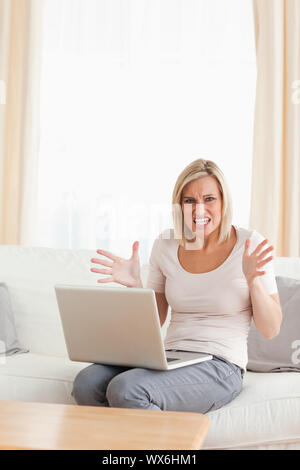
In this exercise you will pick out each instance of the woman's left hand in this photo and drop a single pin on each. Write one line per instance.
(252, 262)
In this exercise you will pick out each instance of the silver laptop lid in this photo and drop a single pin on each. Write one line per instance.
(111, 325)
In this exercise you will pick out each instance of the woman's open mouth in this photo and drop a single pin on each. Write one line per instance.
(202, 222)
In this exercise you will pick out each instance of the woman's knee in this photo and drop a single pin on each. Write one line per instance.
(116, 391)
(125, 392)
(88, 386)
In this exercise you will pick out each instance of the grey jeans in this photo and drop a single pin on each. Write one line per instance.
(201, 387)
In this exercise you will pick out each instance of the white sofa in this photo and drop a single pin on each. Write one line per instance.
(266, 415)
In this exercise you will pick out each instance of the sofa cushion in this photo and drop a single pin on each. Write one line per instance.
(281, 353)
(9, 343)
(265, 412)
(33, 377)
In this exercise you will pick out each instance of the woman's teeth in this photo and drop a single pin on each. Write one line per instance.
(202, 221)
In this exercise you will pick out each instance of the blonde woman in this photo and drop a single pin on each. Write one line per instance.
(209, 272)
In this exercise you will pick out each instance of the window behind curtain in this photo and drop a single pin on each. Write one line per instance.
(132, 92)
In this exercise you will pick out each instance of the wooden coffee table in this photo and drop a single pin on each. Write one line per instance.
(26, 425)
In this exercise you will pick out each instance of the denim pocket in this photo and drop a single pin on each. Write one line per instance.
(227, 367)
(223, 368)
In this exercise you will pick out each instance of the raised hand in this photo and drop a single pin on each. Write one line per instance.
(252, 262)
(120, 270)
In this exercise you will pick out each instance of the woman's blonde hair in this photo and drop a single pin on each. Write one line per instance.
(198, 169)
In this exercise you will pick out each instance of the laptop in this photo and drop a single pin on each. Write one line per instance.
(117, 326)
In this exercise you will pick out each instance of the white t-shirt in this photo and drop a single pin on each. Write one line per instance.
(210, 312)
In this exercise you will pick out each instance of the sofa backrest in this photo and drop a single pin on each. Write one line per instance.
(31, 274)
(289, 267)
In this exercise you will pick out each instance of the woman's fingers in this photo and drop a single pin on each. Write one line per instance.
(265, 252)
(107, 279)
(259, 265)
(101, 261)
(108, 254)
(259, 247)
(101, 271)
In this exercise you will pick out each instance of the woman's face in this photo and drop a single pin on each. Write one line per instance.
(202, 199)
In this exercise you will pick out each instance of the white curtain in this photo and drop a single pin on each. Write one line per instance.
(133, 91)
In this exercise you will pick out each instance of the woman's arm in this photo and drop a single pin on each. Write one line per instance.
(266, 308)
(267, 314)
(162, 307)
(161, 302)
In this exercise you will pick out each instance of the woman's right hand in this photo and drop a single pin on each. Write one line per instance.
(122, 271)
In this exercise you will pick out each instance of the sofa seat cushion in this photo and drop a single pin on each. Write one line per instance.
(266, 412)
(34, 377)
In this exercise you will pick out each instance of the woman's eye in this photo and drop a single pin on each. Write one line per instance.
(188, 200)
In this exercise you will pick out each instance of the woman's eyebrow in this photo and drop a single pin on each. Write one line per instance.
(205, 195)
